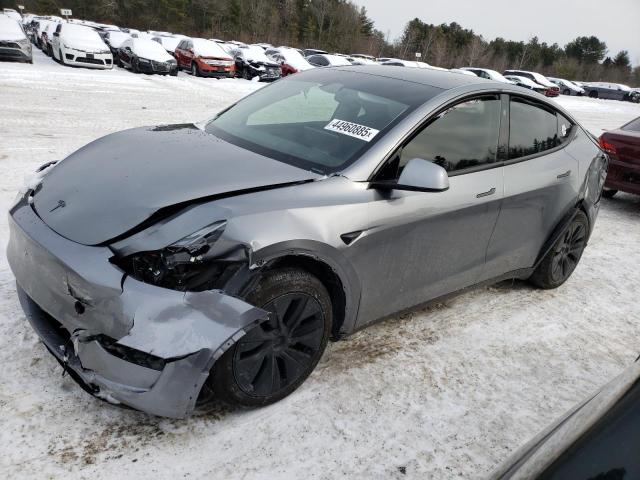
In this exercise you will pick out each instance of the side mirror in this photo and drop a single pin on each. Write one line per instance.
(418, 175)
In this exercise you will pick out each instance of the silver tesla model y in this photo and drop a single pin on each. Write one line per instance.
(168, 265)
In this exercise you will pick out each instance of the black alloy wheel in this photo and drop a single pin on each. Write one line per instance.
(273, 358)
(568, 252)
(274, 355)
(560, 262)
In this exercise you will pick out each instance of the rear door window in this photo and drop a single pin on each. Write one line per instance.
(533, 128)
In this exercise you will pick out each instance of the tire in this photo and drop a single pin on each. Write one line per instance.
(560, 262)
(284, 349)
(61, 57)
(566, 91)
(593, 94)
(609, 192)
(174, 73)
(134, 66)
(245, 74)
(195, 71)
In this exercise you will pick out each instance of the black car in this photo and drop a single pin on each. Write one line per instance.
(597, 440)
(146, 56)
(251, 62)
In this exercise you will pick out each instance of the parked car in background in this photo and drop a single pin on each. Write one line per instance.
(526, 83)
(81, 46)
(47, 36)
(326, 60)
(114, 40)
(204, 58)
(142, 55)
(462, 71)
(598, 439)
(487, 73)
(290, 60)
(12, 14)
(170, 43)
(362, 55)
(567, 87)
(552, 90)
(251, 62)
(216, 261)
(264, 46)
(623, 147)
(361, 61)
(307, 52)
(611, 91)
(14, 44)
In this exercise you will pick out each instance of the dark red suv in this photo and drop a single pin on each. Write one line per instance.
(623, 147)
(204, 58)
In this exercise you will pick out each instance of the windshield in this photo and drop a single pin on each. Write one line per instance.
(319, 120)
(207, 48)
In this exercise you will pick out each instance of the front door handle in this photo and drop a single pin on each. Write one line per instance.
(487, 193)
(565, 174)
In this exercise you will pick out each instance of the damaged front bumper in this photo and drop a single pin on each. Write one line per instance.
(124, 341)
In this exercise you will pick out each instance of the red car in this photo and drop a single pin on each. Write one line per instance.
(204, 58)
(623, 147)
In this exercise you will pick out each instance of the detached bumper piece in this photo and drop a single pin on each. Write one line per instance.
(122, 340)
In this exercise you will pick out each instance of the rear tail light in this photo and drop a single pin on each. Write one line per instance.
(608, 147)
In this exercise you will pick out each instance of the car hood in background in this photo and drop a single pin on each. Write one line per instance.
(117, 182)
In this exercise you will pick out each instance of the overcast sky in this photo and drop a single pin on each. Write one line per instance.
(616, 22)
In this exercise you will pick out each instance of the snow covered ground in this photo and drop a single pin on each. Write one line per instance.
(443, 392)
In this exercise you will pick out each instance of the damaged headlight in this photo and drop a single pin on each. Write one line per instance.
(186, 265)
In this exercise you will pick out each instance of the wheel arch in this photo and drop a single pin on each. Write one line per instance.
(332, 269)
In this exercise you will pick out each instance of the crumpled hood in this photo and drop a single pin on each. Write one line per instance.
(115, 183)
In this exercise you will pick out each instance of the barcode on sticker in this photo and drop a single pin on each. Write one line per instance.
(352, 129)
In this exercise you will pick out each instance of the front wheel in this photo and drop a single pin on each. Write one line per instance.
(609, 192)
(560, 262)
(275, 357)
(566, 92)
(195, 71)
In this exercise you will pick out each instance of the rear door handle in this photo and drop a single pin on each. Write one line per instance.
(487, 193)
(565, 174)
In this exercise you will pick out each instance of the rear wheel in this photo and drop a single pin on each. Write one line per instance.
(560, 262)
(609, 192)
(275, 357)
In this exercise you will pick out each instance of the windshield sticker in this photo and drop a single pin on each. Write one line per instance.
(352, 129)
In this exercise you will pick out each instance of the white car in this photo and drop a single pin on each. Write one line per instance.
(487, 73)
(552, 89)
(462, 71)
(80, 46)
(12, 14)
(168, 42)
(327, 60)
(14, 44)
(567, 87)
(526, 83)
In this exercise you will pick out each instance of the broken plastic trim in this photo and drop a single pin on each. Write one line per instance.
(129, 354)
